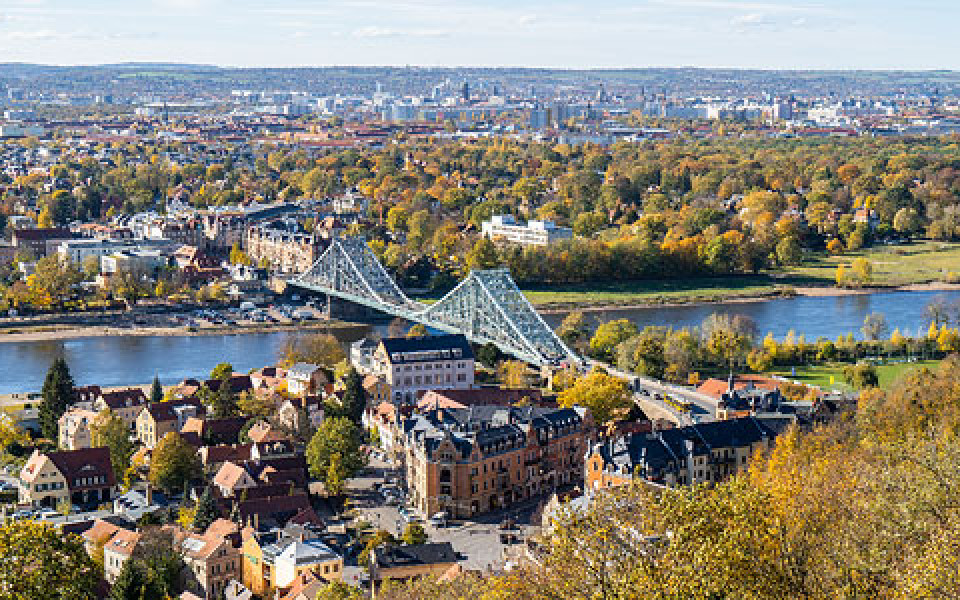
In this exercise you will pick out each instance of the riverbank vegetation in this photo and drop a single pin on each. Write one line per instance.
(723, 344)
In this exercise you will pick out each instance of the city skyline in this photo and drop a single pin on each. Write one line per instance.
(772, 34)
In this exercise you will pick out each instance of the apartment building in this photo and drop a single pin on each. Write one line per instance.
(478, 459)
(533, 233)
(702, 453)
(160, 418)
(275, 559)
(125, 404)
(284, 247)
(410, 366)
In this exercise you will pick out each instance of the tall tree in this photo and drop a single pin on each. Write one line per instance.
(224, 400)
(130, 583)
(207, 511)
(58, 394)
(354, 396)
(156, 391)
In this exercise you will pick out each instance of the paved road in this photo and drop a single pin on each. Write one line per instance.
(704, 408)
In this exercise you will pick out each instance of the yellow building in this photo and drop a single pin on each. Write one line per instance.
(274, 560)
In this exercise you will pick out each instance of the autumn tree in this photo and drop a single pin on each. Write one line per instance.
(42, 562)
(109, 430)
(606, 396)
(337, 440)
(319, 348)
(174, 463)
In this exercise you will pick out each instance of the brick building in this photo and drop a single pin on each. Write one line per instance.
(478, 459)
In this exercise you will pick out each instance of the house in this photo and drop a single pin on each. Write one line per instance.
(263, 431)
(268, 378)
(305, 379)
(376, 389)
(213, 431)
(74, 428)
(392, 561)
(410, 366)
(117, 551)
(462, 398)
(212, 559)
(37, 242)
(274, 559)
(126, 404)
(81, 477)
(292, 409)
(231, 478)
(160, 418)
(212, 457)
(701, 453)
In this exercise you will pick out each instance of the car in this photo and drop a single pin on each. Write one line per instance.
(24, 513)
(6, 486)
(47, 514)
(438, 520)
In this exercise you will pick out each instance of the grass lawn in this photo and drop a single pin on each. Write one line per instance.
(820, 375)
(917, 262)
(705, 289)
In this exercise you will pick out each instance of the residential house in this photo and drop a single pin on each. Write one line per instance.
(213, 431)
(376, 389)
(82, 477)
(276, 558)
(701, 453)
(305, 379)
(74, 428)
(126, 404)
(160, 418)
(411, 366)
(392, 561)
(118, 550)
(292, 409)
(212, 559)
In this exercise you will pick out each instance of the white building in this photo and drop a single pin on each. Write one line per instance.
(413, 365)
(534, 233)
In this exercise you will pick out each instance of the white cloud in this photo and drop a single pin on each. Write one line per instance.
(373, 31)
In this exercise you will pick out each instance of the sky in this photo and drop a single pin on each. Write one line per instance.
(772, 34)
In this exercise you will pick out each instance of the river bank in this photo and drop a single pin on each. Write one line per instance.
(708, 299)
(41, 333)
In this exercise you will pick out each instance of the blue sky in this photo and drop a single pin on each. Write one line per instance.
(831, 34)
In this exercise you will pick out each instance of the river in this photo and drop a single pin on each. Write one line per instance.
(112, 361)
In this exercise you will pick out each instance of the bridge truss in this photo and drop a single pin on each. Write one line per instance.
(486, 307)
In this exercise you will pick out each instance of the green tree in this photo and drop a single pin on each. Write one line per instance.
(336, 479)
(206, 512)
(224, 401)
(861, 375)
(109, 431)
(789, 251)
(573, 329)
(608, 335)
(156, 391)
(58, 394)
(221, 371)
(374, 541)
(174, 463)
(414, 535)
(131, 583)
(336, 436)
(483, 255)
(39, 561)
(354, 396)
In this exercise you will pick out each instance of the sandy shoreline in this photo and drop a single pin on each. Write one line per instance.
(75, 332)
(814, 292)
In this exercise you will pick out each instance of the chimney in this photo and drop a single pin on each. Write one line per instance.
(256, 521)
(149, 494)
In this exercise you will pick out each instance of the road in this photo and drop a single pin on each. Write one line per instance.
(646, 390)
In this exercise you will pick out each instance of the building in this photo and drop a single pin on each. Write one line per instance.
(702, 453)
(534, 233)
(414, 365)
(118, 550)
(160, 418)
(126, 404)
(211, 559)
(479, 459)
(74, 428)
(37, 242)
(81, 477)
(403, 563)
(283, 246)
(275, 559)
(305, 379)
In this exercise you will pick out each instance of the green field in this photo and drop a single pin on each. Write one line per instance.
(820, 375)
(916, 262)
(707, 289)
